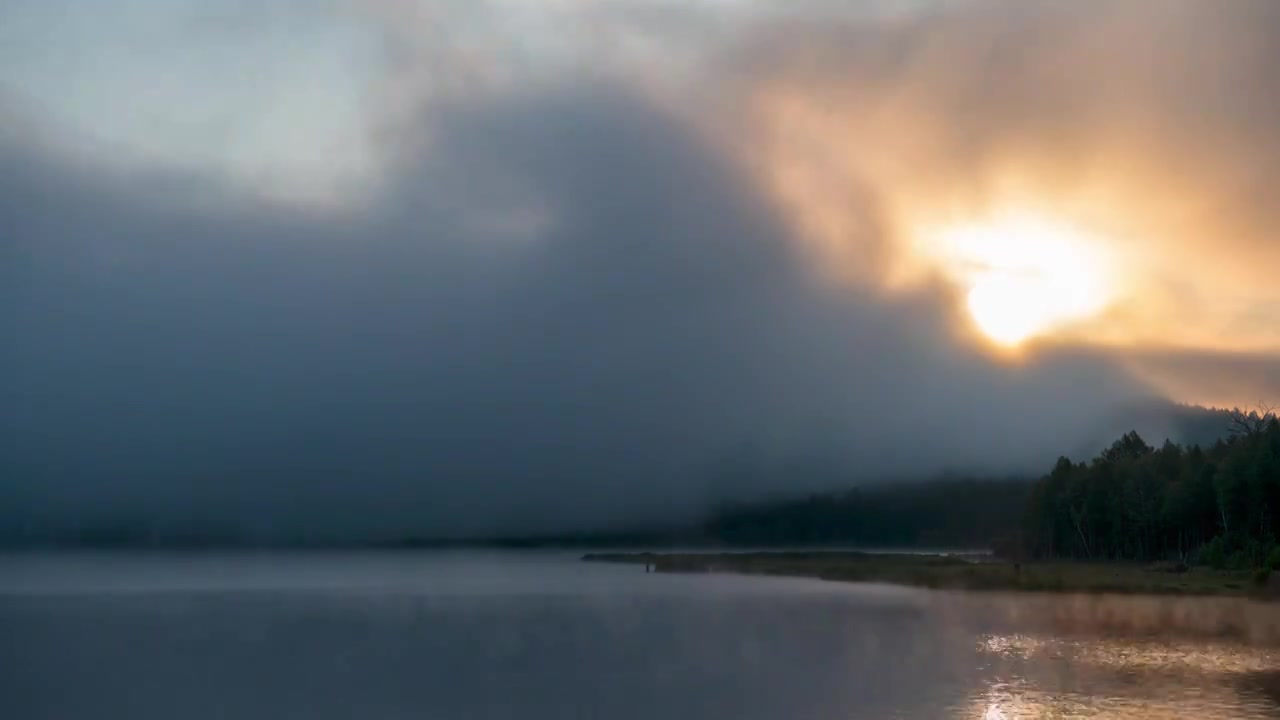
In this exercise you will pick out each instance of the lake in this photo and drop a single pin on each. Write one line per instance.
(539, 635)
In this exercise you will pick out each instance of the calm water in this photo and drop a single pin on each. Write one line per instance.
(462, 635)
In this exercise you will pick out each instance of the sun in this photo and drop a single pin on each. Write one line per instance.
(1026, 276)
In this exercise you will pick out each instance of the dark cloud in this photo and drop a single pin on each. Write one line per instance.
(570, 312)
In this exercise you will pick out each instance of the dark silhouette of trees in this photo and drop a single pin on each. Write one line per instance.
(1133, 502)
(1217, 505)
(1252, 421)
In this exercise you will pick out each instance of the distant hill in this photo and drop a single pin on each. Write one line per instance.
(1158, 420)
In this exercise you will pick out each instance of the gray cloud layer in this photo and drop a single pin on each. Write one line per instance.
(412, 369)
(571, 312)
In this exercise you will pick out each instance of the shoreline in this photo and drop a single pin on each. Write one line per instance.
(953, 572)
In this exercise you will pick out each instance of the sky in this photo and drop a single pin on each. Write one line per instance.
(444, 267)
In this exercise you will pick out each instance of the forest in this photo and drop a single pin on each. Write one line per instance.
(1217, 506)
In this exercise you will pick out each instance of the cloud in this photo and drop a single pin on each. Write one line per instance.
(409, 369)
(268, 95)
(591, 299)
(1147, 123)
(1247, 379)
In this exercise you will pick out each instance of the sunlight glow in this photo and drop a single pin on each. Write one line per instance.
(1025, 275)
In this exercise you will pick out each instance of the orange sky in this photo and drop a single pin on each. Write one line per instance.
(1135, 140)
(881, 142)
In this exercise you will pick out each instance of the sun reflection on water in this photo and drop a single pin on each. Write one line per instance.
(1051, 677)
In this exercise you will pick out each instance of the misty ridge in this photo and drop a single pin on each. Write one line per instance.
(568, 311)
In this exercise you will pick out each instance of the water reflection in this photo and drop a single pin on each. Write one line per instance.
(1052, 677)
(428, 635)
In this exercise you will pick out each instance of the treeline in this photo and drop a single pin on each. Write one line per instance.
(1218, 506)
(1216, 503)
(938, 514)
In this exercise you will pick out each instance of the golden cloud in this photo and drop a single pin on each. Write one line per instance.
(1146, 126)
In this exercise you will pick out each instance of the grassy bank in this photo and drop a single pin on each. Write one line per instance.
(955, 573)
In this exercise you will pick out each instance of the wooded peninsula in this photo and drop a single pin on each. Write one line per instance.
(1136, 518)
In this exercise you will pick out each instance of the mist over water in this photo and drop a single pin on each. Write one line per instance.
(465, 635)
